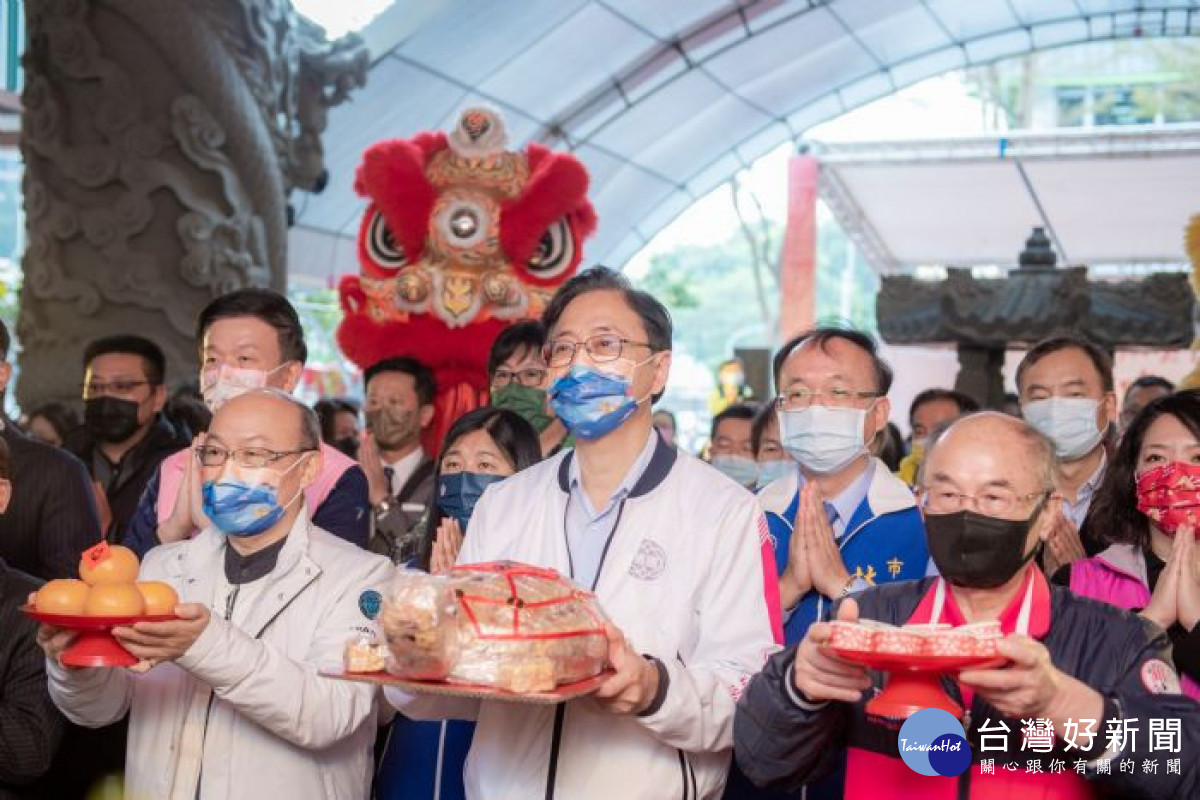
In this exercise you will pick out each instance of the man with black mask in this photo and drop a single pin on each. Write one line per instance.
(987, 492)
(339, 423)
(125, 435)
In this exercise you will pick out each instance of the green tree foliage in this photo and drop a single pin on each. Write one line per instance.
(320, 315)
(846, 284)
(710, 292)
(1102, 83)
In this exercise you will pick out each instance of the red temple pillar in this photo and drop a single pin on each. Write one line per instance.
(798, 264)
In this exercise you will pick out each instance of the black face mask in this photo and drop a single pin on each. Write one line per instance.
(977, 551)
(110, 419)
(348, 445)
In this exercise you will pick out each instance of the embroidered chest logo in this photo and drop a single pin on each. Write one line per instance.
(650, 561)
(1159, 678)
(369, 603)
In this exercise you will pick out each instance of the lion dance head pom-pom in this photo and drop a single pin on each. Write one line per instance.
(461, 237)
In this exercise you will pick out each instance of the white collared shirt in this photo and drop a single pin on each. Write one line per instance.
(1077, 511)
(404, 468)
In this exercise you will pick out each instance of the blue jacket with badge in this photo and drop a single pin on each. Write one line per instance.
(884, 541)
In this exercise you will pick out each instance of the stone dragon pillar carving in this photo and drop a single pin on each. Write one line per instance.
(162, 139)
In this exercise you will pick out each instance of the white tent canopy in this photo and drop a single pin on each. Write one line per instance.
(664, 100)
(1111, 197)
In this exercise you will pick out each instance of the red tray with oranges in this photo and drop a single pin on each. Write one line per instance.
(95, 645)
(108, 596)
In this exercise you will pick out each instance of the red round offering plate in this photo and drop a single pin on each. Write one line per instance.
(887, 662)
(914, 682)
(82, 623)
(95, 645)
(560, 694)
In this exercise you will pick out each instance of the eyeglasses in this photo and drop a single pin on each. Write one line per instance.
(994, 502)
(532, 376)
(111, 388)
(211, 455)
(797, 399)
(602, 347)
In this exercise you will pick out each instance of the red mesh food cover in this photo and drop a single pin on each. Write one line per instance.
(502, 624)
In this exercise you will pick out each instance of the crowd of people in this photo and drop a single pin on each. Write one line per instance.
(1068, 518)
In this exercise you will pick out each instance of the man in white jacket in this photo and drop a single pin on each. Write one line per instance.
(232, 705)
(676, 552)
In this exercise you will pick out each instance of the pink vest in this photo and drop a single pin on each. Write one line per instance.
(333, 464)
(1118, 576)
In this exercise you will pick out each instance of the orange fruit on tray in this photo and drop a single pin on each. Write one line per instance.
(114, 600)
(62, 596)
(159, 597)
(108, 564)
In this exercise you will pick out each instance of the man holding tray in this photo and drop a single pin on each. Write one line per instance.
(989, 503)
(232, 705)
(675, 551)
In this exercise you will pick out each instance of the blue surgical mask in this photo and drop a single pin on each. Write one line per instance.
(771, 471)
(245, 508)
(458, 492)
(821, 438)
(741, 470)
(591, 403)
(1069, 422)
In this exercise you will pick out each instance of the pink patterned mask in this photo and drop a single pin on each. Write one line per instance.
(1170, 496)
(222, 383)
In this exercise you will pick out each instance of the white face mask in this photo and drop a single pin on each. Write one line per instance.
(771, 471)
(223, 383)
(739, 469)
(823, 439)
(1069, 422)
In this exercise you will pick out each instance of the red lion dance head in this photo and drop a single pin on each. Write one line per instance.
(460, 238)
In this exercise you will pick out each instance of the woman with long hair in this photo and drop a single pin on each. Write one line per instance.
(482, 447)
(1146, 515)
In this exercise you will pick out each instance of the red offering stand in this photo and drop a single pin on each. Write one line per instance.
(914, 681)
(95, 645)
(560, 694)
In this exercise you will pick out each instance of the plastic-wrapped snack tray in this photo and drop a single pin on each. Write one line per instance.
(856, 636)
(981, 630)
(420, 626)
(501, 624)
(849, 636)
(363, 655)
(983, 637)
(950, 643)
(933, 640)
(901, 641)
